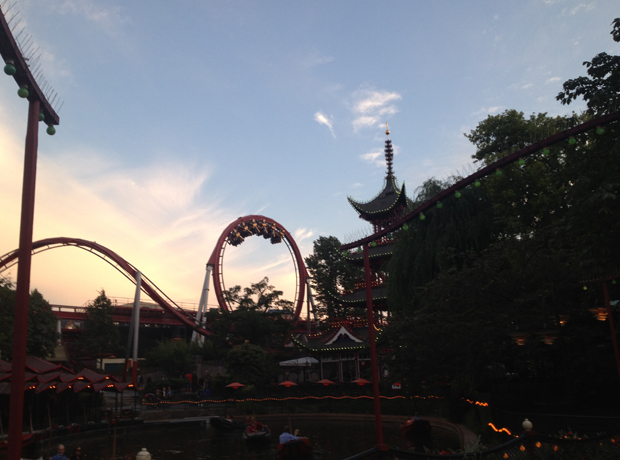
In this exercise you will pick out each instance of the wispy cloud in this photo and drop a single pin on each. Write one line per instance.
(487, 110)
(324, 120)
(316, 58)
(371, 108)
(375, 158)
(553, 79)
(581, 6)
(303, 233)
(527, 85)
(107, 19)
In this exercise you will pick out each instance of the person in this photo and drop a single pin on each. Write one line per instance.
(286, 436)
(169, 393)
(77, 454)
(60, 455)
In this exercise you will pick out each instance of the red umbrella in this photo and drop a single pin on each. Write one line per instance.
(287, 383)
(235, 385)
(326, 382)
(360, 381)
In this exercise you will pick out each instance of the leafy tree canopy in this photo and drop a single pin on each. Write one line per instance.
(42, 336)
(330, 275)
(101, 336)
(249, 364)
(601, 88)
(259, 296)
(173, 357)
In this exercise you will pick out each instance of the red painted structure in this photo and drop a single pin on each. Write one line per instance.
(235, 233)
(124, 267)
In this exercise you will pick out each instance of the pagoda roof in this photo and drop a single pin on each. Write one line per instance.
(390, 200)
(359, 295)
(344, 336)
(381, 251)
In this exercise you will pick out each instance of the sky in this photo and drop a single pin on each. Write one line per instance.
(179, 117)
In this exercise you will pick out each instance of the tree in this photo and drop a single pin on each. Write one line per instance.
(42, 335)
(173, 357)
(101, 336)
(601, 88)
(330, 275)
(259, 296)
(249, 364)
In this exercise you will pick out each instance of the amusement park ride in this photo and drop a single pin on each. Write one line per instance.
(40, 109)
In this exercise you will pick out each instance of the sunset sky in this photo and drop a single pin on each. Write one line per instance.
(179, 117)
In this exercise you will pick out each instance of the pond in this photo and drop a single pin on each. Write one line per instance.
(331, 440)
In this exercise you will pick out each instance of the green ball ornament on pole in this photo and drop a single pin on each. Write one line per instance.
(405, 227)
(374, 244)
(23, 92)
(477, 183)
(546, 152)
(572, 141)
(422, 216)
(41, 116)
(457, 194)
(600, 130)
(521, 161)
(9, 69)
(439, 205)
(498, 172)
(51, 130)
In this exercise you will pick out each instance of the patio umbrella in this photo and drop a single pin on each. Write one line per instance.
(235, 385)
(287, 383)
(360, 381)
(326, 382)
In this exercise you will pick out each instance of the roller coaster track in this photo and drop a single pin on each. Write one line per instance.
(489, 169)
(116, 261)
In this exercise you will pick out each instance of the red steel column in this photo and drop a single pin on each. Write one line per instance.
(373, 347)
(610, 318)
(20, 326)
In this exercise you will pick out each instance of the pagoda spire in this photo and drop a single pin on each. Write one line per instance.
(389, 153)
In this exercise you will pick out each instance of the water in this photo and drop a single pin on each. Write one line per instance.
(331, 440)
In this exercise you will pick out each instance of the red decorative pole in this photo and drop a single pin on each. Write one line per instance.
(373, 348)
(20, 326)
(39, 109)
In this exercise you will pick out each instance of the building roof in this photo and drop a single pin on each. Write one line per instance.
(346, 335)
(392, 199)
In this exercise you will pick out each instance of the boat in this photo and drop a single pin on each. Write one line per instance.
(419, 433)
(226, 424)
(256, 437)
(297, 448)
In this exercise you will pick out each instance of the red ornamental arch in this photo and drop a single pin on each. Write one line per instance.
(268, 228)
(124, 267)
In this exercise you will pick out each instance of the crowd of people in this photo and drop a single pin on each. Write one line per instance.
(60, 454)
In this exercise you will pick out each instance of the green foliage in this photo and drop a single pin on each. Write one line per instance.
(601, 88)
(101, 336)
(259, 296)
(254, 327)
(172, 357)
(506, 259)
(42, 334)
(330, 275)
(249, 364)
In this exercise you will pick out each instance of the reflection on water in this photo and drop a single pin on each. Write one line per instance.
(331, 440)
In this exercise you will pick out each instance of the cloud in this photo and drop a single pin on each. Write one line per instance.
(302, 233)
(107, 19)
(375, 158)
(553, 79)
(486, 110)
(324, 120)
(371, 108)
(587, 7)
(315, 58)
(528, 85)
